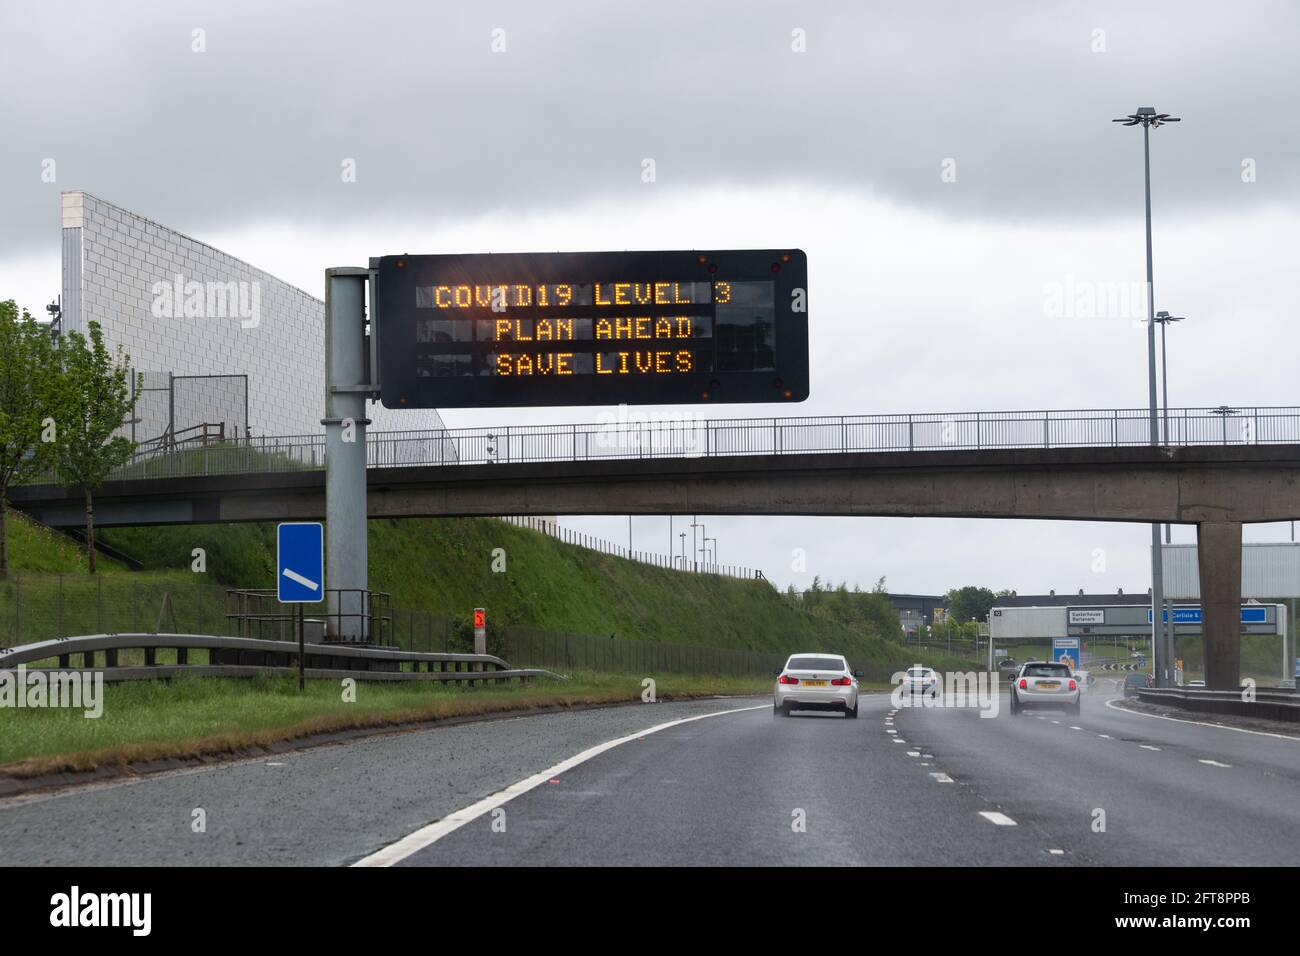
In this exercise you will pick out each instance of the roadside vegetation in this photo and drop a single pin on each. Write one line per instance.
(63, 399)
(209, 717)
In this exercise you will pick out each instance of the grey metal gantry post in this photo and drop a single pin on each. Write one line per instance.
(347, 385)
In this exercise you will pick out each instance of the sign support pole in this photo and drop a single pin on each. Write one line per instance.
(347, 368)
(302, 650)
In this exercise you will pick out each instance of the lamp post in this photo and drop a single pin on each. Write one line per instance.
(695, 544)
(1148, 118)
(712, 553)
(682, 535)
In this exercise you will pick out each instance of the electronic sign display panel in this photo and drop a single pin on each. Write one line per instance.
(602, 328)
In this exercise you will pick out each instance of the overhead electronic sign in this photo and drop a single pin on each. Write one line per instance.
(597, 328)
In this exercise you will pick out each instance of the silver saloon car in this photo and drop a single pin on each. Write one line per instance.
(1045, 684)
(816, 682)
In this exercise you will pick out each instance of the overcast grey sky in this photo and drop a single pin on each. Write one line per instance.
(928, 292)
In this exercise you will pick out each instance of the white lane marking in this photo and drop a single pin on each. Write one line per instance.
(1200, 723)
(1072, 727)
(1148, 747)
(1104, 736)
(941, 778)
(1057, 852)
(1056, 721)
(275, 764)
(914, 753)
(891, 731)
(428, 835)
(928, 756)
(898, 740)
(293, 575)
(1001, 819)
(1214, 763)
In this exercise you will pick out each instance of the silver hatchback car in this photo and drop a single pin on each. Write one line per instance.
(816, 682)
(1045, 684)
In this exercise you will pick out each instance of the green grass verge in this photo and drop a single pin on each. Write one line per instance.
(196, 716)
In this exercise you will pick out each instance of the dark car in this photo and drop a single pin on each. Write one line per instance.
(1135, 682)
(1008, 668)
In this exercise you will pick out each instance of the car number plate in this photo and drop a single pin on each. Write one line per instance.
(815, 683)
(1048, 685)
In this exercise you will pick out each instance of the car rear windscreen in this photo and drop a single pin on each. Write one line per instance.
(1046, 670)
(815, 664)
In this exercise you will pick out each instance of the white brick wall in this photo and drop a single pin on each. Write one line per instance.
(123, 255)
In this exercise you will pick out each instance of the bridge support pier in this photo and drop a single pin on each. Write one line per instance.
(1218, 549)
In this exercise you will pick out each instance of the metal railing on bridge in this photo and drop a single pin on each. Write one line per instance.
(632, 437)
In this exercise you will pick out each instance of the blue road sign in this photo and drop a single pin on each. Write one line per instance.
(1192, 615)
(1066, 650)
(300, 562)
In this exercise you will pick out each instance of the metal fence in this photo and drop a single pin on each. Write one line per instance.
(170, 406)
(38, 607)
(557, 650)
(924, 431)
(654, 559)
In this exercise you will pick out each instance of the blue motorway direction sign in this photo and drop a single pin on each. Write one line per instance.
(1192, 615)
(300, 562)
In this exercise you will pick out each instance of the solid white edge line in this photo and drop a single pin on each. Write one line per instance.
(428, 835)
(1199, 723)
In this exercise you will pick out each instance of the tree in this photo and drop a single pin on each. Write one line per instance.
(95, 396)
(970, 602)
(26, 398)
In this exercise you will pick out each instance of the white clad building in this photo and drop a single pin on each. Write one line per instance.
(121, 270)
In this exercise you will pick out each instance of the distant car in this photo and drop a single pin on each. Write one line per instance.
(1135, 682)
(1045, 684)
(921, 680)
(816, 682)
(1007, 668)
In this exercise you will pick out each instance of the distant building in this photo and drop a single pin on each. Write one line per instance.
(1073, 599)
(915, 610)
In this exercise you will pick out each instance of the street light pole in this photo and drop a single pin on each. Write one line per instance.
(1147, 117)
(1164, 318)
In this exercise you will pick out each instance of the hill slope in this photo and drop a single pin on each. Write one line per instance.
(445, 566)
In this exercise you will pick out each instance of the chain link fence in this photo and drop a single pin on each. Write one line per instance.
(38, 607)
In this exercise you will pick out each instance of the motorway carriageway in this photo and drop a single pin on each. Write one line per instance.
(917, 786)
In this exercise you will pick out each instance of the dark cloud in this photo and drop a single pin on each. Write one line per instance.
(256, 127)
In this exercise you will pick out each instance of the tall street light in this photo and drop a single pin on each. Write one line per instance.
(1164, 318)
(1147, 118)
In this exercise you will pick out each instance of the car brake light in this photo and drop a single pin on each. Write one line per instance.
(1024, 684)
(1073, 686)
(787, 679)
(842, 681)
